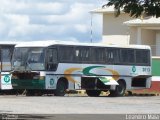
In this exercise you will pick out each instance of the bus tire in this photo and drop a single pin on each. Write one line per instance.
(93, 93)
(61, 88)
(119, 91)
(30, 93)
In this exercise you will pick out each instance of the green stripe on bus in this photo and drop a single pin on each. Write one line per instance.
(28, 84)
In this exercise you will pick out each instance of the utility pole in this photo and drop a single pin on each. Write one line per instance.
(91, 34)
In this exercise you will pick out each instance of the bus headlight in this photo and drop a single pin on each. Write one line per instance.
(14, 77)
(42, 77)
(36, 77)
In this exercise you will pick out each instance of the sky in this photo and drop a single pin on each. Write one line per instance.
(27, 20)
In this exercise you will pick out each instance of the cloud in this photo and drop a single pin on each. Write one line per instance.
(47, 19)
(10, 24)
(81, 28)
(77, 13)
(32, 8)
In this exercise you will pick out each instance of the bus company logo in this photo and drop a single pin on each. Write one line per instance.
(134, 69)
(7, 78)
(51, 81)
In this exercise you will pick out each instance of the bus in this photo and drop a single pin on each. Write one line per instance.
(41, 67)
(6, 51)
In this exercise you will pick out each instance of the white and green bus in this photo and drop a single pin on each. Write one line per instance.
(6, 51)
(54, 66)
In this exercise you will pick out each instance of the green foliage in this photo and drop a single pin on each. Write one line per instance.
(136, 7)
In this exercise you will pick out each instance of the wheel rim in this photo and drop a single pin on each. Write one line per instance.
(121, 88)
(62, 88)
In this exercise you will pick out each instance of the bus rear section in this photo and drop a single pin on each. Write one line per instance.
(57, 67)
(155, 80)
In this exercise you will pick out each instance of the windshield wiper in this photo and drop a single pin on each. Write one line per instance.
(28, 68)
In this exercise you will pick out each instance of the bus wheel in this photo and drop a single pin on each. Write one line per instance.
(93, 93)
(120, 90)
(30, 93)
(61, 88)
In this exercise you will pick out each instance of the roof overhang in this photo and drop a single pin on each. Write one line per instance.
(104, 10)
(101, 11)
(146, 22)
(9, 42)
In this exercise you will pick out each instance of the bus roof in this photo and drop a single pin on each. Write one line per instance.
(58, 42)
(8, 42)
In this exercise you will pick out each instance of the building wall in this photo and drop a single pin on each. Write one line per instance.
(133, 35)
(158, 42)
(114, 30)
(116, 39)
(147, 37)
(114, 25)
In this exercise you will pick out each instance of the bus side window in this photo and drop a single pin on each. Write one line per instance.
(98, 55)
(113, 56)
(6, 59)
(66, 53)
(52, 59)
(82, 54)
(127, 56)
(142, 57)
(109, 55)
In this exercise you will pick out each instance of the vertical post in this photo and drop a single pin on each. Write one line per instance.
(91, 34)
(128, 35)
(157, 44)
(139, 36)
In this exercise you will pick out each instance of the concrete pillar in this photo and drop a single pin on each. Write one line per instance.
(158, 44)
(139, 36)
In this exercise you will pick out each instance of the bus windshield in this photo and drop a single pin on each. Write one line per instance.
(26, 59)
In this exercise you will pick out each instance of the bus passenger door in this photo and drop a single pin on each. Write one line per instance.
(52, 60)
(51, 67)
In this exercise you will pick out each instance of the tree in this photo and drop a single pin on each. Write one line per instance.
(136, 8)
